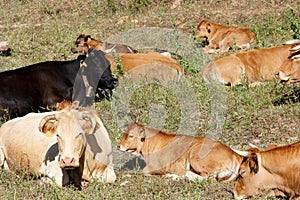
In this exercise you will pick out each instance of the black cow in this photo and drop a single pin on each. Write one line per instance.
(38, 86)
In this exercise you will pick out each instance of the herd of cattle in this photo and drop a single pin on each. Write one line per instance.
(71, 145)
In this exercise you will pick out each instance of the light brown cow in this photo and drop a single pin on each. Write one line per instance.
(252, 66)
(219, 38)
(277, 168)
(180, 156)
(79, 148)
(289, 71)
(150, 65)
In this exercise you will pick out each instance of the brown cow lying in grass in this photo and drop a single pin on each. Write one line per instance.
(219, 38)
(276, 168)
(180, 156)
(84, 42)
(252, 66)
(289, 71)
(151, 65)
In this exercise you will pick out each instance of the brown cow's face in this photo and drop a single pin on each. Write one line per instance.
(81, 47)
(85, 42)
(133, 139)
(289, 72)
(203, 30)
(250, 179)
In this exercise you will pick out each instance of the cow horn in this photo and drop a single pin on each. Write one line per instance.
(109, 50)
(252, 145)
(45, 120)
(295, 48)
(242, 153)
(297, 41)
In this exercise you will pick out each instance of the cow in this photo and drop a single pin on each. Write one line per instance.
(42, 85)
(85, 42)
(251, 66)
(152, 65)
(78, 149)
(289, 71)
(180, 156)
(219, 38)
(277, 169)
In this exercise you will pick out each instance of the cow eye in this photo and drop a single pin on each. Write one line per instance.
(131, 136)
(242, 173)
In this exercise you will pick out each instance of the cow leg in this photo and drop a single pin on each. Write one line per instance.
(109, 175)
(54, 174)
(193, 176)
(3, 163)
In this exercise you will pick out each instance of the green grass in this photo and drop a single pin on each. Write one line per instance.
(265, 114)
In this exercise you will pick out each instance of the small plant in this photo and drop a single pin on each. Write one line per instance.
(294, 23)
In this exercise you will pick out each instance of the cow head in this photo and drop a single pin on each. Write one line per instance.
(133, 139)
(94, 74)
(85, 42)
(204, 29)
(253, 177)
(289, 71)
(70, 127)
(81, 47)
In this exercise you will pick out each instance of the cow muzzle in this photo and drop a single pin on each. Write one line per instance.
(280, 75)
(68, 163)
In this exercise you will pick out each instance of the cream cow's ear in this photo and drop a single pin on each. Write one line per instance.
(47, 125)
(90, 125)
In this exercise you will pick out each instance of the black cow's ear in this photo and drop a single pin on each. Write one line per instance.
(253, 163)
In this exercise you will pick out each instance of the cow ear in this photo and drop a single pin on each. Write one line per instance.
(89, 126)
(142, 134)
(208, 27)
(47, 125)
(87, 38)
(253, 163)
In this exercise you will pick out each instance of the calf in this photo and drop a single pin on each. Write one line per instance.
(180, 156)
(219, 38)
(85, 42)
(140, 65)
(251, 66)
(41, 85)
(277, 168)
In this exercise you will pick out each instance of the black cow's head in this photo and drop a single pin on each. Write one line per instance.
(94, 77)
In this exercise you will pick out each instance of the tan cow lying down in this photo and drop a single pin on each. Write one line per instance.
(252, 66)
(151, 65)
(277, 168)
(289, 71)
(180, 156)
(219, 38)
(79, 148)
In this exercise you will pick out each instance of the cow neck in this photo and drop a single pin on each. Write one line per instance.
(155, 140)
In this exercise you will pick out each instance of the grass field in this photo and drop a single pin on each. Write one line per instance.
(268, 113)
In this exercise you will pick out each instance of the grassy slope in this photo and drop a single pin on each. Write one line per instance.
(269, 113)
